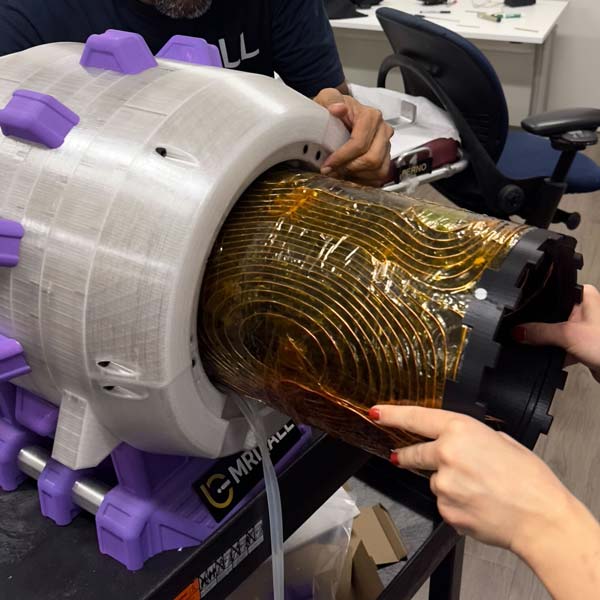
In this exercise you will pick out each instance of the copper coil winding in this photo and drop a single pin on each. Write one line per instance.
(323, 298)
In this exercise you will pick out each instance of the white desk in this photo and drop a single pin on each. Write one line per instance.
(521, 58)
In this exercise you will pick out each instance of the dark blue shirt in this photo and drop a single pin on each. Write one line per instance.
(290, 37)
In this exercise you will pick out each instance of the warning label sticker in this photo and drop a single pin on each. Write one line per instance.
(192, 592)
(231, 558)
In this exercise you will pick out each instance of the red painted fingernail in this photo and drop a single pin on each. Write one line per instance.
(394, 459)
(374, 414)
(519, 334)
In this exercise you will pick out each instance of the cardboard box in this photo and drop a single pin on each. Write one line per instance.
(375, 542)
(380, 536)
(359, 579)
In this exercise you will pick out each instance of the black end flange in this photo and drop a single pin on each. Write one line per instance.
(510, 385)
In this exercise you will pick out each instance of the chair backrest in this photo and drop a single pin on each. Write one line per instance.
(460, 69)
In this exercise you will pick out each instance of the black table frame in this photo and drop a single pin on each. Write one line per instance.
(68, 557)
(440, 557)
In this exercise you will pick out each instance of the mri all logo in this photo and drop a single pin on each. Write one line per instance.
(230, 480)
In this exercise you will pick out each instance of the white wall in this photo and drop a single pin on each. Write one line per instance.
(575, 76)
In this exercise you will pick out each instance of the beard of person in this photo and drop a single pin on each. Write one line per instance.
(183, 9)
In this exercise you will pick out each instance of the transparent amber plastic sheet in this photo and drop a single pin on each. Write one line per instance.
(323, 298)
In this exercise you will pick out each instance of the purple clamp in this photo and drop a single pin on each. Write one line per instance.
(11, 234)
(120, 51)
(37, 118)
(191, 50)
(12, 359)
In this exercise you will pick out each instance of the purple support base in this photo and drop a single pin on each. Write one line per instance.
(155, 508)
(25, 419)
(13, 438)
(54, 489)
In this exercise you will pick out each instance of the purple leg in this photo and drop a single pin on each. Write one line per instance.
(54, 488)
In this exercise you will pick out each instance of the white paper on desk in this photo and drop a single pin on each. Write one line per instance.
(432, 122)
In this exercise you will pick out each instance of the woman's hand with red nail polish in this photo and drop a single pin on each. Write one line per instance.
(374, 414)
(579, 336)
(490, 487)
(483, 479)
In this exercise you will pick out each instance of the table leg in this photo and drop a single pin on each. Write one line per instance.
(446, 579)
(541, 75)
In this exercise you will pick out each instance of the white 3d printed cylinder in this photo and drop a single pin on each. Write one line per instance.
(119, 221)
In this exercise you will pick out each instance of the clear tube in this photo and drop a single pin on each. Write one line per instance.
(249, 410)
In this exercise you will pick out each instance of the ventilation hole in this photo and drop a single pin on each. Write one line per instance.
(162, 152)
(193, 362)
(318, 157)
(305, 149)
(116, 369)
(109, 388)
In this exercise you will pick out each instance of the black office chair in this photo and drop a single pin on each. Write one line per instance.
(526, 176)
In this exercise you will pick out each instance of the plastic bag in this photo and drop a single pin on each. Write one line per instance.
(314, 556)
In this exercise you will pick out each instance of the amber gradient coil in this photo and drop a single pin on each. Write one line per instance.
(323, 298)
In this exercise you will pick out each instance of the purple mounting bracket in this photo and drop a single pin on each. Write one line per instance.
(13, 439)
(35, 413)
(12, 359)
(121, 51)
(155, 508)
(191, 50)
(24, 420)
(37, 118)
(11, 234)
(54, 489)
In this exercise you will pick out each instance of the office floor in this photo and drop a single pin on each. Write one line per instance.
(572, 448)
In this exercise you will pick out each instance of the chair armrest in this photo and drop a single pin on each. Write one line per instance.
(563, 121)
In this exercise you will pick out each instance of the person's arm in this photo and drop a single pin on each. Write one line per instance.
(490, 487)
(306, 58)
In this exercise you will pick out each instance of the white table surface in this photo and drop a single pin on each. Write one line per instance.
(540, 19)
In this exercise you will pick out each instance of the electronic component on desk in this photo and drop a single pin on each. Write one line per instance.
(433, 2)
(495, 18)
